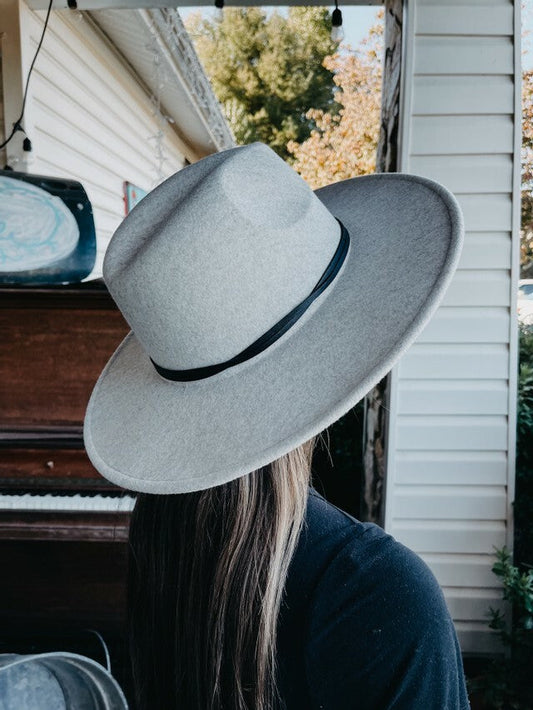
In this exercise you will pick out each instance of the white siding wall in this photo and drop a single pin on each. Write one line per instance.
(91, 119)
(452, 423)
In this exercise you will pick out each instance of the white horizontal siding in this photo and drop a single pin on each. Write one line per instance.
(465, 18)
(489, 172)
(463, 602)
(447, 95)
(469, 397)
(463, 55)
(456, 432)
(469, 606)
(122, 123)
(451, 536)
(456, 467)
(93, 122)
(438, 135)
(472, 571)
(486, 212)
(448, 361)
(467, 325)
(452, 404)
(485, 250)
(470, 287)
(451, 502)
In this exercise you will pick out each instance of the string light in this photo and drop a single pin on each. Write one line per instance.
(337, 33)
(219, 11)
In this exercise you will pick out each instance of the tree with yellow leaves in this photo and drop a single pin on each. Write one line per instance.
(344, 144)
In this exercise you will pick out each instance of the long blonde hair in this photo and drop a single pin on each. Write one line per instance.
(206, 577)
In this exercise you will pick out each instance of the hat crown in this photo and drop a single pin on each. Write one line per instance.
(217, 254)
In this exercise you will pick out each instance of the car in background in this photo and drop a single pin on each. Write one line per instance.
(525, 302)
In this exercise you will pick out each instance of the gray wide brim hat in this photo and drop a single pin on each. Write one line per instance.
(150, 434)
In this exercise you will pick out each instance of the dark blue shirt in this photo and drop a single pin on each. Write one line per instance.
(364, 624)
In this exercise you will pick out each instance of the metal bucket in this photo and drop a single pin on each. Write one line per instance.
(57, 681)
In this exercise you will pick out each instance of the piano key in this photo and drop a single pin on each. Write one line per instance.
(77, 502)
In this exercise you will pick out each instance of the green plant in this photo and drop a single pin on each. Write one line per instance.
(507, 683)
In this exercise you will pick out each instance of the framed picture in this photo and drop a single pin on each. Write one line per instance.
(132, 195)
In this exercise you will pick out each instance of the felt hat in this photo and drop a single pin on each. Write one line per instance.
(261, 312)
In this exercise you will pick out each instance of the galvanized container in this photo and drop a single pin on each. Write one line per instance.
(57, 681)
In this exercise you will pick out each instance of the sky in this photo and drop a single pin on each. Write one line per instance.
(358, 19)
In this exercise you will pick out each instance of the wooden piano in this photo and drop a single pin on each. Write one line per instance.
(63, 528)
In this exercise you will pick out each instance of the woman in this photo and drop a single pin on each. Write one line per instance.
(261, 312)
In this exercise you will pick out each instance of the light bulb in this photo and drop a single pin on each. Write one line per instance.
(219, 10)
(337, 33)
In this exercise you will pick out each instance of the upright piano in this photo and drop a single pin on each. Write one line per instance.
(63, 528)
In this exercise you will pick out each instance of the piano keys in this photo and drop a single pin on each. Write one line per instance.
(76, 502)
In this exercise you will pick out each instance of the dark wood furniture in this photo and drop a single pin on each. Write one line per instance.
(63, 559)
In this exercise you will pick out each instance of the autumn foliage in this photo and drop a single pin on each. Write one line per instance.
(344, 143)
(280, 79)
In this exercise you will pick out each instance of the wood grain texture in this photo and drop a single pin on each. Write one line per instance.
(54, 346)
(64, 526)
(49, 469)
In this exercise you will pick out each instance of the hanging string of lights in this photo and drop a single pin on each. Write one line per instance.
(337, 33)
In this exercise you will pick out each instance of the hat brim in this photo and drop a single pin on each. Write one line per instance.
(151, 435)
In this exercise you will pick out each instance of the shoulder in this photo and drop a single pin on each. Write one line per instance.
(373, 567)
(378, 624)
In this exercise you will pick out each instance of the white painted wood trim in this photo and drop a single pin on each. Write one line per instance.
(408, 35)
(515, 274)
